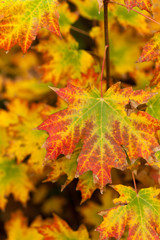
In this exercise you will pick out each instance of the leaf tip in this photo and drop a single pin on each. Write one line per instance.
(54, 89)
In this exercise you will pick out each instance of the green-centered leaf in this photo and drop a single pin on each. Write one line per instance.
(63, 60)
(13, 179)
(21, 20)
(103, 126)
(140, 212)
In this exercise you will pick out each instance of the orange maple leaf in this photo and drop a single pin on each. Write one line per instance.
(103, 126)
(21, 20)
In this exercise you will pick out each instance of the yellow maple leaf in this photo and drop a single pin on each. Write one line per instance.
(17, 228)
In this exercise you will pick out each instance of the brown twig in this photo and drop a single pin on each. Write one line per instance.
(134, 181)
(104, 58)
(106, 33)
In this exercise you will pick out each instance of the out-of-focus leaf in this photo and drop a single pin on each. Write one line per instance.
(17, 228)
(3, 140)
(54, 204)
(28, 89)
(21, 121)
(59, 229)
(120, 52)
(67, 18)
(128, 19)
(17, 64)
(63, 60)
(90, 209)
(14, 179)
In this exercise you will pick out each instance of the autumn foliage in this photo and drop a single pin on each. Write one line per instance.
(79, 160)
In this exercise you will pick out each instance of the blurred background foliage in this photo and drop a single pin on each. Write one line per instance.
(26, 101)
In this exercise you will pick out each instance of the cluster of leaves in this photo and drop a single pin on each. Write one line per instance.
(79, 130)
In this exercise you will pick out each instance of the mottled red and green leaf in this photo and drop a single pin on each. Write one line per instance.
(103, 126)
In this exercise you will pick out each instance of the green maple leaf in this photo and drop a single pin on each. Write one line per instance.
(140, 212)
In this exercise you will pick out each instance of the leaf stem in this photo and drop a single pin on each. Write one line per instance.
(151, 19)
(129, 163)
(104, 58)
(106, 33)
(134, 181)
(80, 31)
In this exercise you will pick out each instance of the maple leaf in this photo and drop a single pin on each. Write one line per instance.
(20, 121)
(63, 60)
(17, 228)
(13, 179)
(21, 20)
(142, 4)
(59, 229)
(68, 166)
(103, 126)
(132, 19)
(151, 50)
(140, 212)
